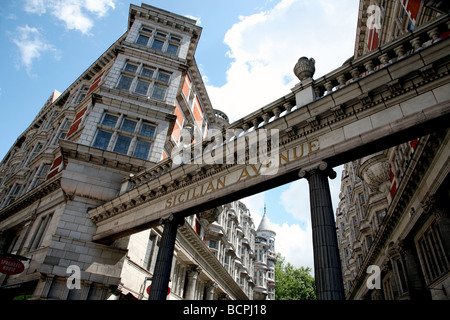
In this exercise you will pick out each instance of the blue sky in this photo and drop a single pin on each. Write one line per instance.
(246, 54)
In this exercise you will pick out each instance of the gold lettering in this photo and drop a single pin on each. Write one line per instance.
(168, 203)
(312, 144)
(256, 170)
(285, 158)
(179, 198)
(295, 152)
(244, 173)
(222, 183)
(210, 187)
(194, 196)
(201, 190)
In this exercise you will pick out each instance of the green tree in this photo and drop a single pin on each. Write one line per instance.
(293, 283)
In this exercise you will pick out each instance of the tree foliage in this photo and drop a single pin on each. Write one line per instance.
(293, 283)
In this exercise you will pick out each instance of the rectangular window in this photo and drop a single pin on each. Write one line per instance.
(40, 231)
(147, 72)
(433, 258)
(142, 40)
(159, 92)
(130, 68)
(147, 130)
(109, 120)
(142, 149)
(122, 144)
(172, 49)
(163, 77)
(102, 139)
(142, 87)
(157, 44)
(128, 125)
(213, 244)
(124, 83)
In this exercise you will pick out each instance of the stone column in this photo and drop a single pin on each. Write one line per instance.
(163, 266)
(327, 265)
(210, 289)
(192, 275)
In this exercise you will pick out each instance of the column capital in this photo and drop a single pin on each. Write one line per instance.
(172, 219)
(322, 168)
(193, 270)
(211, 285)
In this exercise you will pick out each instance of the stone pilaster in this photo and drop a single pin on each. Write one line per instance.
(163, 265)
(327, 265)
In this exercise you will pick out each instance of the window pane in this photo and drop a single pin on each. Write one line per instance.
(141, 87)
(102, 140)
(122, 144)
(172, 49)
(124, 83)
(157, 44)
(142, 40)
(159, 92)
(164, 77)
(146, 72)
(147, 130)
(130, 68)
(142, 149)
(109, 120)
(128, 125)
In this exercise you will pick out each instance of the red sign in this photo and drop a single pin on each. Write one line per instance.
(11, 266)
(148, 290)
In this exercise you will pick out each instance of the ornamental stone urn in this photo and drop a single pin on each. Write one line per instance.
(304, 68)
(374, 170)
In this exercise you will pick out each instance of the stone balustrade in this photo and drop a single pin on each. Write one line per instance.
(402, 47)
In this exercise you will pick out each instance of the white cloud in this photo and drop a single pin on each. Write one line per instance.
(31, 45)
(265, 46)
(75, 14)
(295, 244)
(295, 201)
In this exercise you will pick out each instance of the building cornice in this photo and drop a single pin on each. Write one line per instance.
(221, 276)
(124, 163)
(30, 197)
